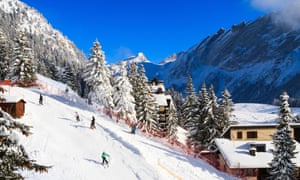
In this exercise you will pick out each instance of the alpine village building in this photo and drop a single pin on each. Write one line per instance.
(14, 106)
(163, 101)
(245, 149)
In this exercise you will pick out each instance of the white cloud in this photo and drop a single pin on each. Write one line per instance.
(120, 54)
(289, 17)
(287, 11)
(270, 5)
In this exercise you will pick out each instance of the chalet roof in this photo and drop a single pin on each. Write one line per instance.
(11, 99)
(256, 115)
(236, 154)
(161, 99)
(155, 88)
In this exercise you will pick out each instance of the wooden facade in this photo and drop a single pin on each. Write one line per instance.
(258, 134)
(163, 102)
(15, 109)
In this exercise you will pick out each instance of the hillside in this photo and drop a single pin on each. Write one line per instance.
(74, 150)
(255, 60)
(49, 46)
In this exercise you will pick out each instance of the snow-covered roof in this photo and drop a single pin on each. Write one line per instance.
(11, 99)
(257, 114)
(161, 99)
(236, 154)
(157, 87)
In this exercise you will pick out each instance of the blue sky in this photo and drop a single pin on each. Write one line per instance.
(158, 28)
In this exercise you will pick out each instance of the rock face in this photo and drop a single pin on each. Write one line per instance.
(49, 46)
(256, 61)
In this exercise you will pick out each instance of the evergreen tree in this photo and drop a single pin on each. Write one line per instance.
(146, 108)
(217, 112)
(172, 123)
(282, 166)
(208, 126)
(41, 67)
(178, 103)
(23, 70)
(98, 78)
(53, 72)
(191, 113)
(93, 73)
(226, 109)
(12, 154)
(123, 99)
(4, 57)
(133, 78)
(68, 77)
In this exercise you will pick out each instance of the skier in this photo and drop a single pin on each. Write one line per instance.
(105, 157)
(93, 123)
(41, 99)
(77, 116)
(133, 129)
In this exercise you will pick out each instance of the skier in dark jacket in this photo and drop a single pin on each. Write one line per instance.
(77, 116)
(133, 129)
(104, 157)
(41, 99)
(93, 123)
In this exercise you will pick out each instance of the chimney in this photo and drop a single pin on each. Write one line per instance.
(252, 150)
(168, 102)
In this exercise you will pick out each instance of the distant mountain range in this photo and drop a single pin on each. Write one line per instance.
(255, 60)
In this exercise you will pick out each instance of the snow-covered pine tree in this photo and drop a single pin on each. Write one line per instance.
(123, 99)
(282, 166)
(226, 109)
(178, 103)
(98, 77)
(93, 73)
(68, 77)
(208, 126)
(12, 154)
(146, 108)
(41, 67)
(172, 123)
(53, 72)
(133, 78)
(190, 113)
(23, 70)
(4, 56)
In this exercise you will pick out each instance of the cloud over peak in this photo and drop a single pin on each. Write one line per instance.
(287, 13)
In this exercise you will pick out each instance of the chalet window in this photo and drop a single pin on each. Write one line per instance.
(161, 108)
(240, 135)
(260, 147)
(251, 134)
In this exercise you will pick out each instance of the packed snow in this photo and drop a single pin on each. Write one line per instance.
(74, 150)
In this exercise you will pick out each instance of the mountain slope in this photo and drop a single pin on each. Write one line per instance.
(49, 45)
(74, 150)
(256, 61)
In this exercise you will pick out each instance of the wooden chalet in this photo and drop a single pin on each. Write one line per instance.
(163, 101)
(245, 149)
(13, 106)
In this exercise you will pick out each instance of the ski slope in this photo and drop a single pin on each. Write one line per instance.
(74, 150)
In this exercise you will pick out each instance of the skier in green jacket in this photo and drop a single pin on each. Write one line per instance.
(105, 157)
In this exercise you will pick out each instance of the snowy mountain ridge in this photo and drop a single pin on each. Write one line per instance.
(49, 45)
(256, 61)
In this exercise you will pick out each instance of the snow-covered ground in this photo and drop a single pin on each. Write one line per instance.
(74, 150)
